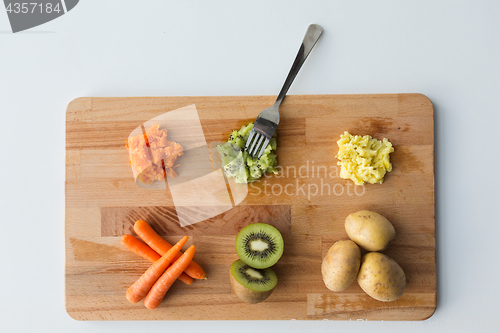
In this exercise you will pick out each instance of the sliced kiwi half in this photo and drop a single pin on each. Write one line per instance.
(259, 245)
(252, 285)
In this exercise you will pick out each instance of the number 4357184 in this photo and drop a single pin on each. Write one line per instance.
(32, 7)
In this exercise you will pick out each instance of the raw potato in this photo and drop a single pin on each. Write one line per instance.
(370, 230)
(381, 277)
(341, 264)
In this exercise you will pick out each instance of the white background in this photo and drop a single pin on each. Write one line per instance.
(447, 50)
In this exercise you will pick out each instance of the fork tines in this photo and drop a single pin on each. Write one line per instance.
(256, 143)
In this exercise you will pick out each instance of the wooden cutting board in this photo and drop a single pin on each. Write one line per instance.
(103, 201)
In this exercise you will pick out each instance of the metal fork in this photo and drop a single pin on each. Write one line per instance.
(267, 121)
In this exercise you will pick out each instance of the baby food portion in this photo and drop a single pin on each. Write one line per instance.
(238, 164)
(364, 159)
(152, 156)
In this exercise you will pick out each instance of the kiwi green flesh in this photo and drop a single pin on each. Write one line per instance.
(238, 164)
(252, 278)
(251, 285)
(259, 245)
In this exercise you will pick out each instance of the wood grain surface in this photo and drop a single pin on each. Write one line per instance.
(306, 201)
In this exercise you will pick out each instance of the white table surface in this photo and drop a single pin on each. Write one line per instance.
(447, 50)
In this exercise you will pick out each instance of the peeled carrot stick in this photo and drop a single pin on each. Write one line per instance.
(186, 279)
(133, 244)
(161, 286)
(140, 288)
(157, 243)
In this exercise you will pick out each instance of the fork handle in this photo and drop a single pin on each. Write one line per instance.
(312, 35)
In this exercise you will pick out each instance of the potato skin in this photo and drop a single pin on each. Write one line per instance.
(370, 230)
(341, 264)
(381, 277)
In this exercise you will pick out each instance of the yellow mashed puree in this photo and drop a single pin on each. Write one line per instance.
(364, 159)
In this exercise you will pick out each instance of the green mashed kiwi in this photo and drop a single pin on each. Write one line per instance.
(238, 164)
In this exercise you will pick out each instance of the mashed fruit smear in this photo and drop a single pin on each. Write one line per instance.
(364, 159)
(238, 164)
(152, 156)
